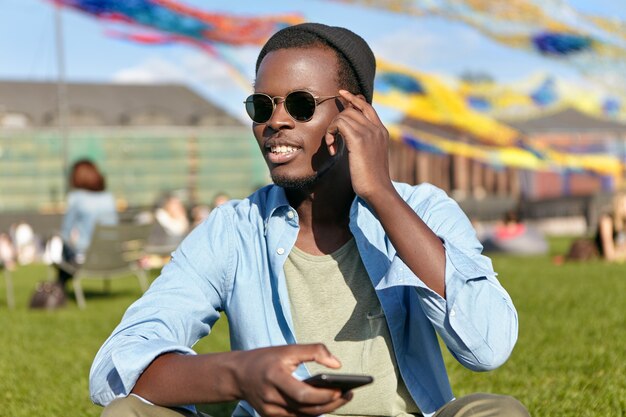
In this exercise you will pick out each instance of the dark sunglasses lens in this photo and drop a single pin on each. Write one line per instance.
(300, 105)
(259, 107)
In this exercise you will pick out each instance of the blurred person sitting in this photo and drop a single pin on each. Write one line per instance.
(609, 241)
(88, 204)
(172, 216)
(514, 236)
(199, 212)
(611, 234)
(219, 199)
(7, 252)
(26, 243)
(171, 225)
(202, 211)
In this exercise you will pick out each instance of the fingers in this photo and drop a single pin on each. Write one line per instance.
(309, 400)
(269, 385)
(344, 129)
(319, 409)
(332, 140)
(315, 352)
(302, 392)
(357, 119)
(360, 104)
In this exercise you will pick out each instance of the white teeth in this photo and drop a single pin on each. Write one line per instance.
(282, 149)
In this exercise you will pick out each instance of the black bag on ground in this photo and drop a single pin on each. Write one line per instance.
(48, 295)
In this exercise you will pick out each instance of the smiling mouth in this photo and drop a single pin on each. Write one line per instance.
(282, 150)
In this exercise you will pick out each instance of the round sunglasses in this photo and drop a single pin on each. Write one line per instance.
(300, 105)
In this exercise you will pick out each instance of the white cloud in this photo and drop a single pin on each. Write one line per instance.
(152, 71)
(218, 72)
(207, 75)
(226, 84)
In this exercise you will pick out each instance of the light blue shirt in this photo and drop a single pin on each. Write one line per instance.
(85, 209)
(233, 262)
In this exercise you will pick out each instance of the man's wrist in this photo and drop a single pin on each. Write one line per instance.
(227, 374)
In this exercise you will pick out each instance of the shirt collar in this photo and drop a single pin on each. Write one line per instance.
(276, 203)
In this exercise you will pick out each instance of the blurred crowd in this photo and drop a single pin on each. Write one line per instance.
(20, 245)
(88, 204)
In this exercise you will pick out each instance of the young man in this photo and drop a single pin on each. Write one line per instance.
(334, 266)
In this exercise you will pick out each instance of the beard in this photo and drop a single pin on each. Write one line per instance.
(306, 182)
(291, 183)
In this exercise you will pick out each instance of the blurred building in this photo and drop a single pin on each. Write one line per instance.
(460, 176)
(146, 138)
(571, 131)
(486, 190)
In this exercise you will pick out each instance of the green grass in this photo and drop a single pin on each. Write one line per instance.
(570, 359)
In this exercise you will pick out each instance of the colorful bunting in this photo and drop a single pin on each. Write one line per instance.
(425, 97)
(559, 44)
(521, 157)
(538, 94)
(552, 28)
(180, 21)
(160, 22)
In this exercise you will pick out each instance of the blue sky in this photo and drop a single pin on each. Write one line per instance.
(427, 44)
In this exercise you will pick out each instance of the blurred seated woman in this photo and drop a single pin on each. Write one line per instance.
(88, 204)
(171, 214)
(611, 235)
(8, 254)
(513, 236)
(171, 225)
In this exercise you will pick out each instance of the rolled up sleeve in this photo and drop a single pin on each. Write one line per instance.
(178, 309)
(121, 367)
(477, 320)
(480, 322)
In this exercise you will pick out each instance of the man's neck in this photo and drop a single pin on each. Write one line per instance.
(324, 216)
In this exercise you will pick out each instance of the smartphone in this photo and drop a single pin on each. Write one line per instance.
(344, 382)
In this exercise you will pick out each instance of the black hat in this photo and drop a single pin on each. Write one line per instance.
(351, 45)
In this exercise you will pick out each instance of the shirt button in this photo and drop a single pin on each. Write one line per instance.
(280, 251)
(452, 313)
(290, 214)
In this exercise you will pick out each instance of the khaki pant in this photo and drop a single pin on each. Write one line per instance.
(473, 405)
(132, 406)
(483, 405)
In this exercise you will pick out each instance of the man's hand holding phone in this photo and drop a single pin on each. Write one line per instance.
(264, 378)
